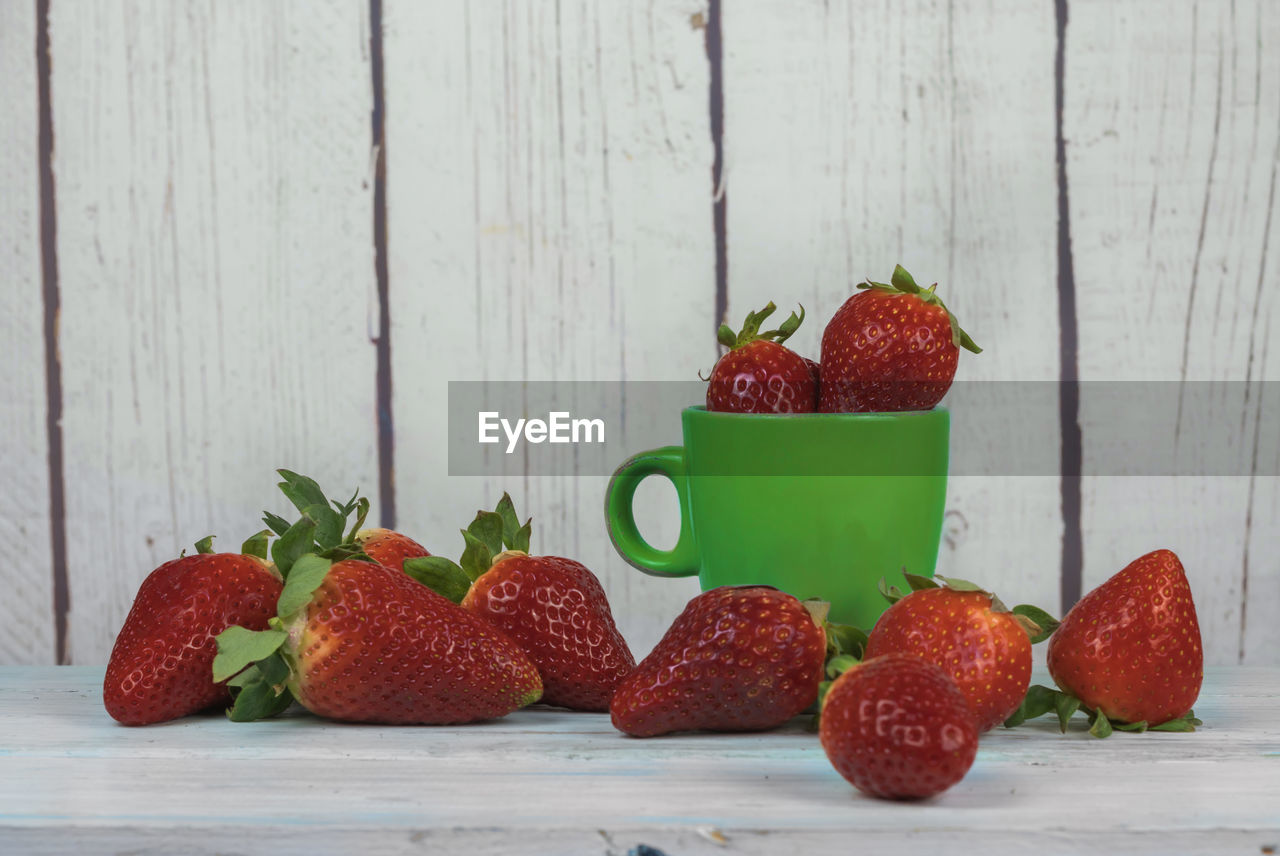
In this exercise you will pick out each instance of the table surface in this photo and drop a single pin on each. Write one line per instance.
(552, 781)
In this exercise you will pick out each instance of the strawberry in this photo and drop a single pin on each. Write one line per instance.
(360, 642)
(759, 374)
(738, 658)
(554, 608)
(389, 548)
(159, 667)
(985, 648)
(893, 346)
(1128, 653)
(898, 727)
(357, 641)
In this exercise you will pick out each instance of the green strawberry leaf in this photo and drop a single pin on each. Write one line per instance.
(476, 558)
(961, 338)
(1065, 705)
(277, 523)
(257, 698)
(1185, 723)
(238, 647)
(348, 550)
(308, 573)
(845, 639)
(962, 585)
(1100, 726)
(296, 540)
(788, 327)
(1139, 726)
(488, 529)
(1043, 620)
(361, 508)
(751, 331)
(903, 281)
(301, 490)
(245, 676)
(257, 544)
(523, 535)
(1038, 701)
(510, 522)
(443, 576)
(205, 544)
(345, 508)
(329, 525)
(751, 326)
(837, 666)
(891, 593)
(274, 670)
(919, 583)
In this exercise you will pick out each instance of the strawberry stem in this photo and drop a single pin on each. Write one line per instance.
(750, 331)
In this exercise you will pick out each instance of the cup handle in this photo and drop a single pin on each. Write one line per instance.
(680, 561)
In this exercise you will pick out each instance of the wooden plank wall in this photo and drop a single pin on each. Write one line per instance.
(276, 231)
(1174, 136)
(26, 611)
(215, 265)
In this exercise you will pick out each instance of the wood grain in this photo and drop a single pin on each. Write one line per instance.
(26, 610)
(549, 218)
(859, 136)
(1173, 136)
(553, 781)
(217, 276)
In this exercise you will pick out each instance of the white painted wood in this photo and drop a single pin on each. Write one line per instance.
(1172, 142)
(26, 610)
(213, 173)
(215, 241)
(549, 209)
(548, 781)
(859, 136)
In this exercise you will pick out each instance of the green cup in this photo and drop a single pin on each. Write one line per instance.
(819, 505)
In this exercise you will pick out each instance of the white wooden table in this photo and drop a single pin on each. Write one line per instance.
(551, 781)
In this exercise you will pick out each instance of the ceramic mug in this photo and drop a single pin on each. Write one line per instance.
(817, 504)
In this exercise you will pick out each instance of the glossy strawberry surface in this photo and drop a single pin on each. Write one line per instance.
(762, 377)
(556, 610)
(898, 727)
(373, 645)
(738, 658)
(160, 665)
(390, 548)
(1131, 647)
(986, 652)
(886, 352)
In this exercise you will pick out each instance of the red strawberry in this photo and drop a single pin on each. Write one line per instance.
(555, 608)
(984, 647)
(1130, 649)
(759, 374)
(738, 658)
(898, 727)
(389, 548)
(361, 642)
(159, 667)
(893, 346)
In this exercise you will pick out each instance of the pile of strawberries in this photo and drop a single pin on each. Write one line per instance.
(892, 346)
(948, 661)
(365, 625)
